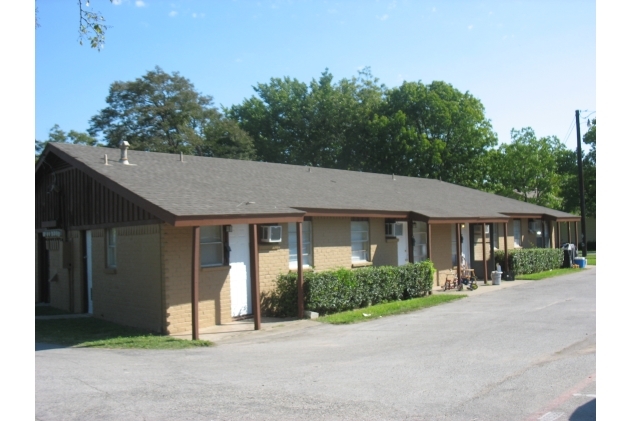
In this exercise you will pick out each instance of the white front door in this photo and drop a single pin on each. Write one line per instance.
(240, 288)
(88, 264)
(403, 244)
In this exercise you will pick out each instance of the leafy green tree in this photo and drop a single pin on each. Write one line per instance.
(568, 169)
(531, 169)
(163, 112)
(357, 124)
(589, 171)
(432, 131)
(57, 135)
(317, 124)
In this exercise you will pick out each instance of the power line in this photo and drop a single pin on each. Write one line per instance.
(569, 131)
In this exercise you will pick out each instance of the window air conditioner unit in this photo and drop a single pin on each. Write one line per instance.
(271, 234)
(394, 229)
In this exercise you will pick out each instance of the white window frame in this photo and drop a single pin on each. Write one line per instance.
(517, 233)
(307, 253)
(210, 242)
(110, 248)
(362, 245)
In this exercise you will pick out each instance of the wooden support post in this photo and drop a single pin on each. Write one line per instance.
(558, 232)
(410, 241)
(458, 248)
(506, 249)
(299, 281)
(486, 266)
(429, 241)
(576, 235)
(195, 284)
(254, 276)
(569, 233)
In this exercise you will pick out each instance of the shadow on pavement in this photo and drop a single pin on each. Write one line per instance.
(41, 346)
(586, 412)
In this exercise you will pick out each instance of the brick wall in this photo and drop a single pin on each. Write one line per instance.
(273, 260)
(132, 293)
(331, 243)
(441, 251)
(214, 284)
(383, 252)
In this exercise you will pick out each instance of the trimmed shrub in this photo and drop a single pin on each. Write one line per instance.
(343, 289)
(525, 261)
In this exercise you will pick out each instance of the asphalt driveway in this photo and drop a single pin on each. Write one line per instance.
(521, 353)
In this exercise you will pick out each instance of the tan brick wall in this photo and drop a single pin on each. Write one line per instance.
(273, 260)
(383, 252)
(214, 284)
(133, 294)
(331, 243)
(441, 251)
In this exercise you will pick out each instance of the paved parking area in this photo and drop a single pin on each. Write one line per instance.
(525, 352)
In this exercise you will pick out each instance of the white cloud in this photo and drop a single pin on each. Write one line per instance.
(384, 17)
(392, 5)
(194, 15)
(173, 13)
(470, 27)
(433, 9)
(238, 60)
(332, 11)
(140, 3)
(116, 2)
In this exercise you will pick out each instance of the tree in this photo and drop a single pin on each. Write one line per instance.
(356, 124)
(315, 124)
(163, 112)
(92, 25)
(531, 169)
(589, 171)
(57, 135)
(432, 131)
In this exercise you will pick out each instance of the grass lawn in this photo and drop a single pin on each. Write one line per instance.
(48, 311)
(547, 274)
(387, 309)
(591, 258)
(94, 333)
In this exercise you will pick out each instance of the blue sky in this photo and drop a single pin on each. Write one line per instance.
(531, 63)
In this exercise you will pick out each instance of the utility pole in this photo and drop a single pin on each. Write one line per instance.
(581, 186)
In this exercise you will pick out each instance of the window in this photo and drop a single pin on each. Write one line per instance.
(306, 245)
(211, 246)
(419, 233)
(110, 249)
(517, 232)
(498, 236)
(360, 244)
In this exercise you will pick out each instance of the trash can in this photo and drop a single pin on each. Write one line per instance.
(497, 277)
(581, 262)
(569, 254)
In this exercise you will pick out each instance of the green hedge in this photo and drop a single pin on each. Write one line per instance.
(525, 261)
(343, 289)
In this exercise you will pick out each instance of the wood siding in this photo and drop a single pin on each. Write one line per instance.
(74, 201)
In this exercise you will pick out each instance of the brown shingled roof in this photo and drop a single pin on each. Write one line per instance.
(210, 187)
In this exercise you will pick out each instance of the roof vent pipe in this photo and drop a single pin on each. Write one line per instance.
(106, 160)
(181, 157)
(124, 145)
